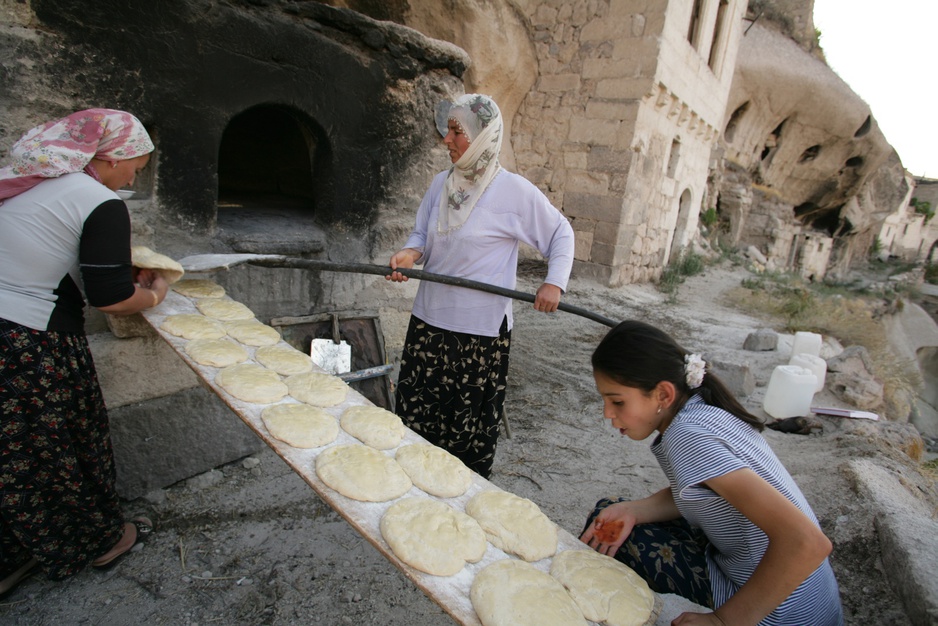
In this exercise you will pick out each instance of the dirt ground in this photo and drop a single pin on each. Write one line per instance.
(251, 543)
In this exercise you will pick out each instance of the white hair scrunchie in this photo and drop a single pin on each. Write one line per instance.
(694, 370)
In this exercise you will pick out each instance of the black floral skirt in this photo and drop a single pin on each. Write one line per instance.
(58, 501)
(451, 390)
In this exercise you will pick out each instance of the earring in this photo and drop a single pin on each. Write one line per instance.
(659, 411)
(113, 165)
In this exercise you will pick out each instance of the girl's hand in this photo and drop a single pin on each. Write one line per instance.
(610, 529)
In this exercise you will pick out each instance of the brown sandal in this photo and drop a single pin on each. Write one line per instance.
(144, 528)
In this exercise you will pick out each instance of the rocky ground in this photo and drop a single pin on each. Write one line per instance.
(251, 543)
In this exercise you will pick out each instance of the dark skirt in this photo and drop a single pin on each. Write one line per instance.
(58, 501)
(451, 390)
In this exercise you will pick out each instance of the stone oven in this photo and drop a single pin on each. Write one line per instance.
(280, 127)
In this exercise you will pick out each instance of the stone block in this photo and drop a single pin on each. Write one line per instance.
(737, 377)
(160, 442)
(559, 82)
(138, 369)
(762, 340)
(592, 206)
(595, 132)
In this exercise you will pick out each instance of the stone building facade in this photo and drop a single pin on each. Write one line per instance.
(619, 127)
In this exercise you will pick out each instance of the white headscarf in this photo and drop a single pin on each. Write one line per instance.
(480, 119)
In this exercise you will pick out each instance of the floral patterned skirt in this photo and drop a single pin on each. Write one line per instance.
(451, 390)
(670, 556)
(58, 501)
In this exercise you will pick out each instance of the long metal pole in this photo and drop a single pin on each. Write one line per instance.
(378, 270)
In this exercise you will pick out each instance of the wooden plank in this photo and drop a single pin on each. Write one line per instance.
(451, 593)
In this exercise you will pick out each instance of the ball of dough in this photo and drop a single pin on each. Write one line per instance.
(300, 425)
(362, 473)
(511, 592)
(317, 388)
(514, 524)
(373, 426)
(193, 326)
(285, 360)
(199, 288)
(434, 470)
(223, 309)
(606, 590)
(431, 536)
(252, 333)
(216, 352)
(251, 383)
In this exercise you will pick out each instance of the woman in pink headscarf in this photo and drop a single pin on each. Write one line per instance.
(64, 239)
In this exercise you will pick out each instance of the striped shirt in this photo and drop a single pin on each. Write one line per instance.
(704, 442)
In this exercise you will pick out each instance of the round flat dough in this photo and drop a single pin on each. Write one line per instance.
(285, 360)
(216, 352)
(606, 590)
(362, 473)
(252, 333)
(434, 470)
(193, 326)
(300, 425)
(511, 592)
(143, 257)
(199, 288)
(223, 309)
(514, 524)
(317, 389)
(432, 537)
(251, 383)
(373, 426)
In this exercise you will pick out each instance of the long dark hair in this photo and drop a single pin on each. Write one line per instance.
(636, 354)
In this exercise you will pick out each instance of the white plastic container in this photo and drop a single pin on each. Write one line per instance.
(814, 363)
(806, 343)
(790, 392)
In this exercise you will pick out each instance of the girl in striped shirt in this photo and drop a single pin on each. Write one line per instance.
(732, 531)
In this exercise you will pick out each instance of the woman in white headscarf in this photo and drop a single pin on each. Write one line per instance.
(64, 238)
(451, 387)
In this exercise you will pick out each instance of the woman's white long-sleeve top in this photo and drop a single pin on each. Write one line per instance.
(485, 249)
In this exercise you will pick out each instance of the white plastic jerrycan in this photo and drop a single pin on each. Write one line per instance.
(814, 363)
(790, 392)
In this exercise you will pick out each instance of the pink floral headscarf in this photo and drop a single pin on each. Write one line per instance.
(68, 145)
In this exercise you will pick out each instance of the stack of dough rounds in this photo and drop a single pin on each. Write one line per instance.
(606, 590)
(317, 389)
(300, 425)
(362, 473)
(373, 426)
(511, 592)
(216, 352)
(250, 332)
(193, 326)
(285, 360)
(251, 383)
(432, 537)
(199, 288)
(514, 524)
(143, 257)
(434, 470)
(224, 309)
